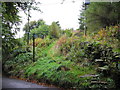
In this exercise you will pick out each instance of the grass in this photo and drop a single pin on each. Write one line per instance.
(54, 66)
(50, 68)
(45, 69)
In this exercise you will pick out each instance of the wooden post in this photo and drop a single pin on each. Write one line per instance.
(117, 64)
(33, 47)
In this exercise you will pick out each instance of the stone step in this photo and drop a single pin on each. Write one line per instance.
(98, 82)
(89, 75)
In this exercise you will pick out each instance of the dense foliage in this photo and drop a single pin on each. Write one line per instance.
(68, 58)
(99, 15)
(54, 30)
(70, 61)
(9, 18)
(10, 22)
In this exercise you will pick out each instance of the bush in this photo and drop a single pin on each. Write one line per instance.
(48, 71)
(44, 42)
(37, 41)
(67, 32)
(77, 52)
(54, 30)
(16, 65)
(109, 36)
(66, 46)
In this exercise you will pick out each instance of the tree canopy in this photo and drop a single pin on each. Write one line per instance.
(39, 28)
(54, 30)
(41, 31)
(10, 18)
(101, 14)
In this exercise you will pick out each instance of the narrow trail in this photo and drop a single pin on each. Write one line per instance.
(50, 53)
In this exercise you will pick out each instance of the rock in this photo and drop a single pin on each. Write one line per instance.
(51, 61)
(89, 75)
(63, 68)
(98, 82)
(98, 60)
(103, 68)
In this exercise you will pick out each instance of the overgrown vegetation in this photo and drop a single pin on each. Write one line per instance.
(99, 15)
(67, 59)
(69, 62)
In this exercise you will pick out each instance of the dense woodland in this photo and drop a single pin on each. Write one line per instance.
(64, 58)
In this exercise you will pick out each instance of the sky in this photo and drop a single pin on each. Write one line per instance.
(67, 13)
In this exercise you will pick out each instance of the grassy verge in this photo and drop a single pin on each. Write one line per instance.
(49, 68)
(71, 62)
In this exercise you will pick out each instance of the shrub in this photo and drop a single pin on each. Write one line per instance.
(37, 41)
(54, 30)
(44, 42)
(98, 51)
(77, 52)
(62, 40)
(16, 65)
(66, 47)
(67, 32)
(109, 36)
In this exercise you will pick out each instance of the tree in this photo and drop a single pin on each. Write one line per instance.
(39, 28)
(54, 30)
(82, 18)
(67, 32)
(33, 24)
(101, 14)
(41, 32)
(10, 18)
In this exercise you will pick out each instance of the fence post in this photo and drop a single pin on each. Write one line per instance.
(33, 47)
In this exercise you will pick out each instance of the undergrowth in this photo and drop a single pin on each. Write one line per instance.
(49, 69)
(70, 62)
